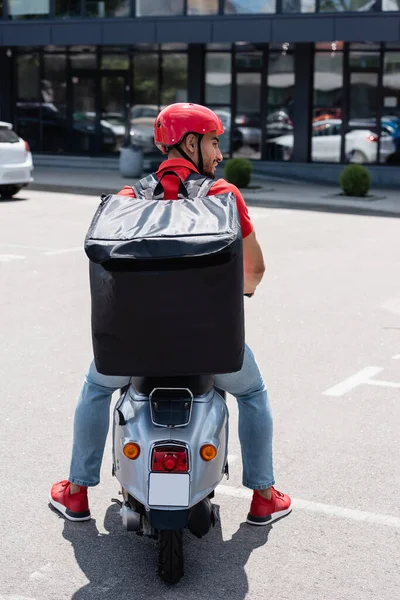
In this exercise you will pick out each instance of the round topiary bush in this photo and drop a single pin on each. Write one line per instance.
(355, 180)
(238, 171)
(394, 158)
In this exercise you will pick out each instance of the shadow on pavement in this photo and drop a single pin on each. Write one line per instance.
(124, 566)
(14, 199)
(326, 208)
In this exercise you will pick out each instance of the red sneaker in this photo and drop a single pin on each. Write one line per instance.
(264, 512)
(74, 507)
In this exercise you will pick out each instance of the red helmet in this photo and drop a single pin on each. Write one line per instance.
(176, 120)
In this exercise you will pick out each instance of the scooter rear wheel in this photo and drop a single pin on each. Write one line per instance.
(170, 558)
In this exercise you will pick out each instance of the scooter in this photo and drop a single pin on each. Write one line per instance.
(170, 444)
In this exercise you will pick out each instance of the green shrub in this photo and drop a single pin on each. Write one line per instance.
(394, 158)
(355, 180)
(238, 171)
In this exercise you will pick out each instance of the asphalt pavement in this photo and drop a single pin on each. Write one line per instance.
(325, 327)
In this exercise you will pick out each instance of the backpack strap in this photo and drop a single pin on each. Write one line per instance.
(145, 187)
(198, 185)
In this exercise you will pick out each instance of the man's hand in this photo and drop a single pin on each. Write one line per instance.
(253, 263)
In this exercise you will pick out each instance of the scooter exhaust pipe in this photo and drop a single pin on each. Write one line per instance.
(201, 518)
(130, 519)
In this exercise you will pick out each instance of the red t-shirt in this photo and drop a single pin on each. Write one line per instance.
(183, 168)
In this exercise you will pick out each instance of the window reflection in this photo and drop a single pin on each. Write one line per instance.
(391, 100)
(174, 78)
(149, 8)
(279, 129)
(68, 8)
(248, 114)
(28, 99)
(54, 103)
(298, 6)
(28, 9)
(232, 7)
(218, 78)
(393, 5)
(345, 5)
(107, 8)
(202, 7)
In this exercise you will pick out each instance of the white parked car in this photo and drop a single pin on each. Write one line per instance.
(361, 145)
(16, 165)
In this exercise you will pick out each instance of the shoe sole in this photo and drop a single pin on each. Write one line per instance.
(262, 521)
(71, 516)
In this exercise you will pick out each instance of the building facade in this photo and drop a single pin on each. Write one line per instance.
(307, 81)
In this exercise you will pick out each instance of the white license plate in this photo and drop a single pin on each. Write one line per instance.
(169, 489)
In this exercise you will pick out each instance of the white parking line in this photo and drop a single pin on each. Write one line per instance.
(10, 257)
(362, 377)
(317, 507)
(392, 305)
(25, 247)
(64, 251)
(350, 383)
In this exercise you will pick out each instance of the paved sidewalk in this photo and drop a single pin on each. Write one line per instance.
(264, 191)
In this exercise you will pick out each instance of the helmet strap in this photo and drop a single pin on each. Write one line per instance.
(187, 157)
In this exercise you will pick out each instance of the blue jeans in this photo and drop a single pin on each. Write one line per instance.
(92, 418)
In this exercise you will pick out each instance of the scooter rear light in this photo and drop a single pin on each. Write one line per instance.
(170, 459)
(132, 450)
(208, 452)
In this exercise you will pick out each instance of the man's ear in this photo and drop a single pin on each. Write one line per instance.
(190, 143)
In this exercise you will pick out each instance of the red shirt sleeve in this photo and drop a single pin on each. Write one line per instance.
(127, 191)
(222, 187)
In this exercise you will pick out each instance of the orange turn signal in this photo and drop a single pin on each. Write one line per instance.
(132, 450)
(208, 452)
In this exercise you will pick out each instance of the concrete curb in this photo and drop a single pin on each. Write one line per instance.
(251, 200)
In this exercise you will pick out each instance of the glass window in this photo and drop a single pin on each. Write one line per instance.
(8, 136)
(28, 99)
(218, 78)
(390, 110)
(28, 9)
(107, 8)
(363, 85)
(224, 113)
(68, 8)
(233, 7)
(248, 114)
(249, 60)
(202, 7)
(361, 139)
(391, 84)
(345, 5)
(149, 8)
(115, 61)
(393, 5)
(279, 128)
(211, 47)
(146, 107)
(145, 83)
(174, 78)
(83, 60)
(54, 103)
(174, 47)
(298, 6)
(327, 107)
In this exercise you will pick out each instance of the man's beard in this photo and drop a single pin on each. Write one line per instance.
(208, 173)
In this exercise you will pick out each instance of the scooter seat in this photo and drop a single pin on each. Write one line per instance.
(197, 384)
